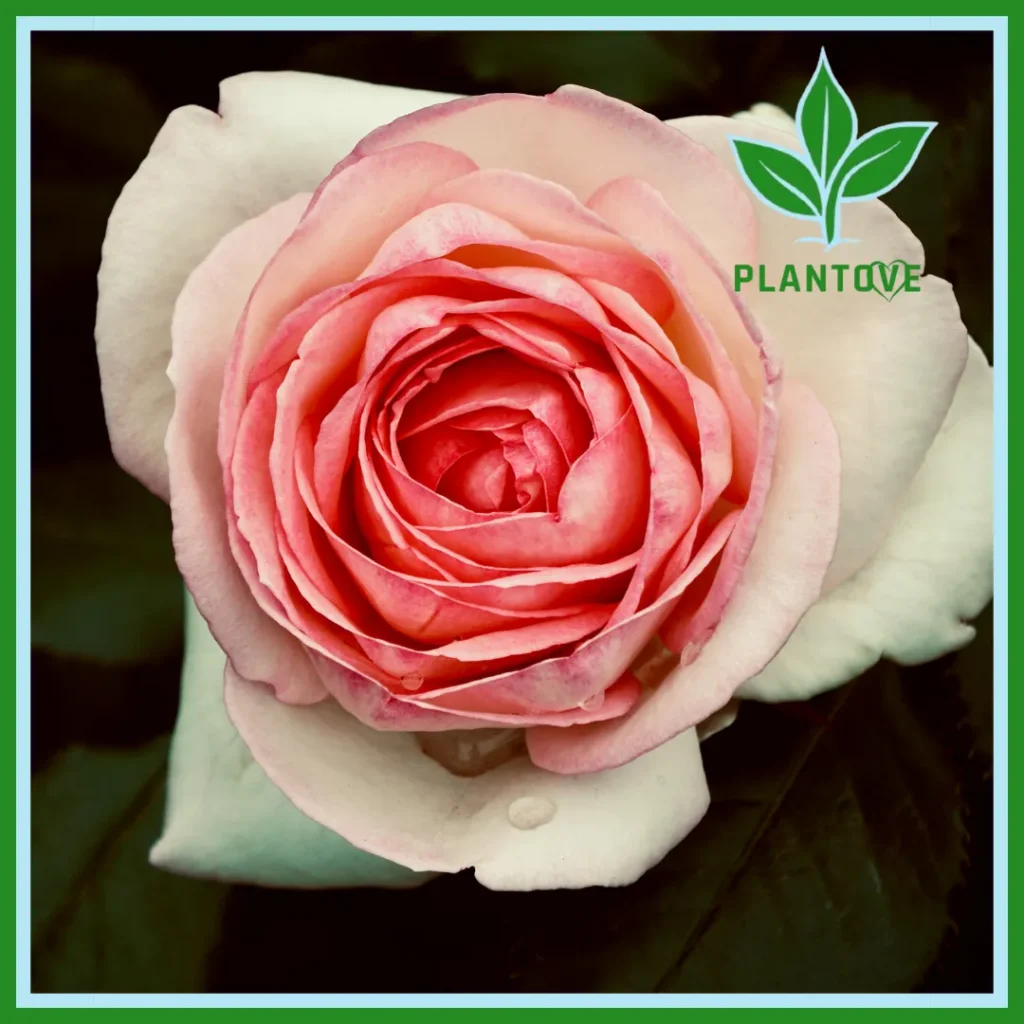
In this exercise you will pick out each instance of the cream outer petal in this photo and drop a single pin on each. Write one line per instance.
(203, 324)
(767, 114)
(386, 796)
(225, 819)
(277, 134)
(780, 581)
(933, 572)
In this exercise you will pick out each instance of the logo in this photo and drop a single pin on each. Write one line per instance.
(836, 167)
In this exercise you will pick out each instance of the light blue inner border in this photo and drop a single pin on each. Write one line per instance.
(25, 25)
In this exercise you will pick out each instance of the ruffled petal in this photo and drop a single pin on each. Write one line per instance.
(781, 579)
(886, 371)
(202, 329)
(276, 134)
(582, 139)
(225, 819)
(933, 573)
(517, 826)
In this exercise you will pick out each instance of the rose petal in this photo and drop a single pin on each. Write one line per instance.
(601, 508)
(886, 371)
(717, 341)
(225, 819)
(911, 602)
(277, 134)
(782, 578)
(500, 379)
(204, 322)
(386, 796)
(373, 705)
(574, 679)
(582, 139)
(675, 493)
(361, 201)
(487, 654)
(430, 454)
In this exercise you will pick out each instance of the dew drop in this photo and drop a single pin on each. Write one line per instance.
(530, 812)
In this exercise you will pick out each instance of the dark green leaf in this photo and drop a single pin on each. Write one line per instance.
(104, 583)
(78, 803)
(833, 845)
(123, 925)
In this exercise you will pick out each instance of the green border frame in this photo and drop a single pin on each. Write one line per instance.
(466, 8)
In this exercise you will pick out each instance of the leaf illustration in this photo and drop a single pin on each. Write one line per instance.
(779, 177)
(881, 159)
(827, 120)
(877, 163)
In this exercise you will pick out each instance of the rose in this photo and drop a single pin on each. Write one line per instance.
(452, 444)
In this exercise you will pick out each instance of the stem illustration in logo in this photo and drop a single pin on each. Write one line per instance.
(836, 166)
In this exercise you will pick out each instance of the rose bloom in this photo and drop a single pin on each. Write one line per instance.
(491, 491)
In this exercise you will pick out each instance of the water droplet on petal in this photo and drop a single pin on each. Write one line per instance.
(530, 812)
(412, 681)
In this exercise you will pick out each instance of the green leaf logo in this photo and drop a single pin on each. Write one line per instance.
(781, 178)
(826, 119)
(836, 166)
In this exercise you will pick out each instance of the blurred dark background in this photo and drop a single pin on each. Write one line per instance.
(849, 843)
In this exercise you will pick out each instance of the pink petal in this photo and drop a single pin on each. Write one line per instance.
(699, 410)
(203, 325)
(499, 379)
(484, 240)
(419, 611)
(601, 508)
(375, 706)
(557, 587)
(781, 579)
(490, 419)
(583, 583)
(544, 210)
(539, 330)
(574, 679)
(480, 481)
(886, 372)
(606, 396)
(437, 232)
(361, 201)
(720, 341)
(379, 791)
(548, 459)
(429, 455)
(582, 139)
(675, 493)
